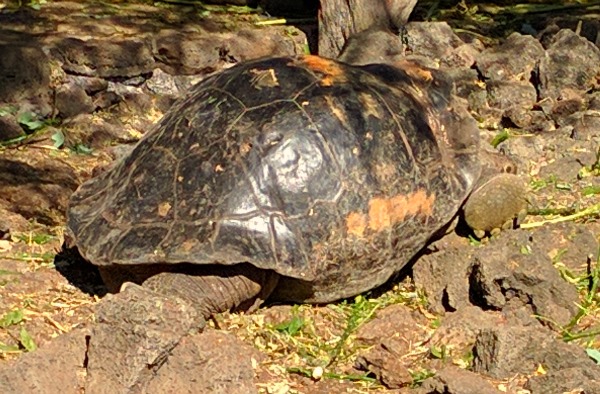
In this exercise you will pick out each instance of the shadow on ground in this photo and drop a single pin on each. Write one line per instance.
(79, 272)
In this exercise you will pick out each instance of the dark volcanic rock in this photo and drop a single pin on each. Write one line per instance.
(502, 352)
(91, 85)
(566, 106)
(385, 362)
(164, 84)
(145, 336)
(510, 273)
(58, 367)
(569, 380)
(512, 99)
(71, 99)
(436, 41)
(391, 334)
(467, 83)
(567, 244)
(132, 97)
(36, 188)
(566, 168)
(501, 63)
(210, 362)
(93, 132)
(586, 127)
(458, 330)
(189, 53)
(571, 62)
(25, 77)
(534, 121)
(444, 275)
(125, 57)
(24, 73)
(510, 92)
(453, 380)
(137, 330)
(506, 95)
(10, 128)
(514, 274)
(396, 320)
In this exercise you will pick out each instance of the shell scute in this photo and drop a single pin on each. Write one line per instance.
(264, 82)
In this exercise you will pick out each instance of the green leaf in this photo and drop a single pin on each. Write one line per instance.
(438, 352)
(499, 138)
(7, 110)
(9, 348)
(291, 327)
(29, 120)
(590, 190)
(11, 318)
(6, 272)
(81, 149)
(41, 239)
(474, 241)
(594, 355)
(420, 375)
(563, 186)
(36, 4)
(38, 239)
(59, 139)
(538, 184)
(26, 340)
(525, 249)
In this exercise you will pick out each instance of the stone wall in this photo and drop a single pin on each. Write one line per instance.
(78, 61)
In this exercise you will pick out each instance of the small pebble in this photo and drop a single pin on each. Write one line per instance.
(317, 373)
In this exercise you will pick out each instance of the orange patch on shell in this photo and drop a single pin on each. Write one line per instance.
(331, 70)
(356, 223)
(385, 212)
(415, 71)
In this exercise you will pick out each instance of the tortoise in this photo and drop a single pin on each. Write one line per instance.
(296, 179)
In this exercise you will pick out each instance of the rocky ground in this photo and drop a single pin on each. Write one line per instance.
(518, 313)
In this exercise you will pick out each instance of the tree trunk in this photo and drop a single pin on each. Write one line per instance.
(339, 19)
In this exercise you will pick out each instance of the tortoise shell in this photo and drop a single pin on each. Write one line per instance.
(331, 175)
